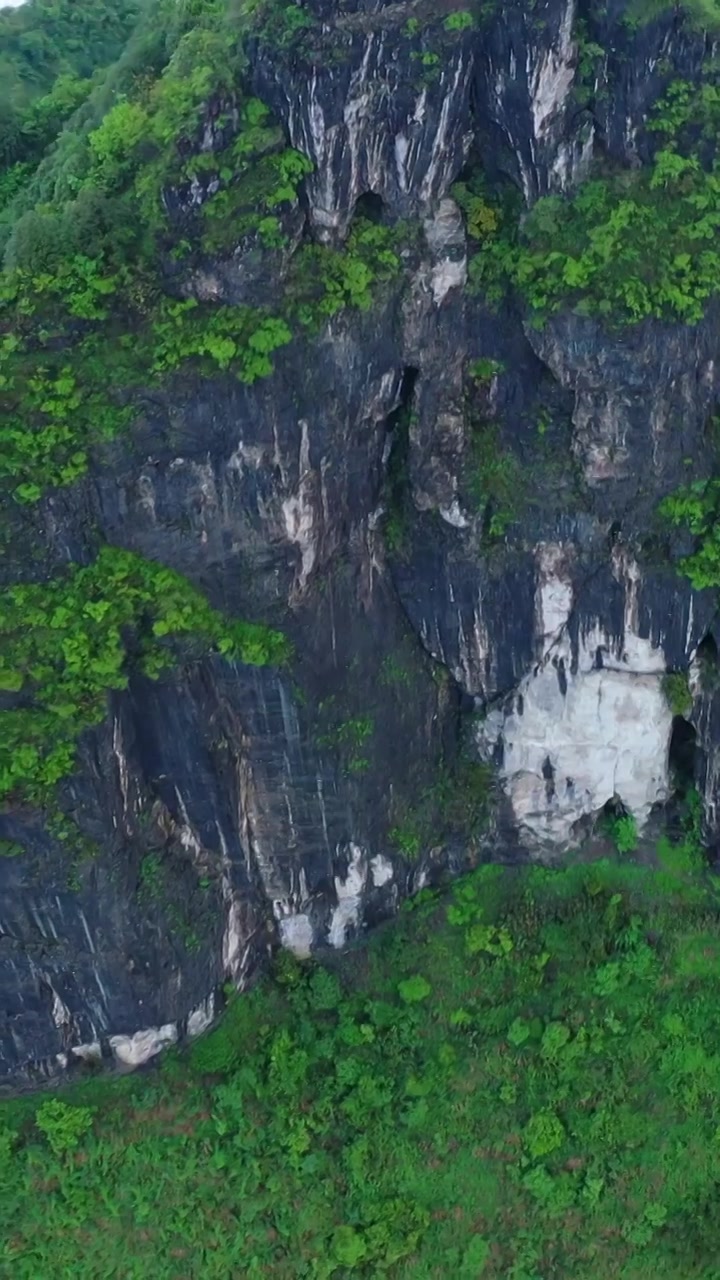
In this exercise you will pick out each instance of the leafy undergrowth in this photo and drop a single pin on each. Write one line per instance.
(519, 1080)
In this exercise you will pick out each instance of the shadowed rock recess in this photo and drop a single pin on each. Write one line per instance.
(450, 509)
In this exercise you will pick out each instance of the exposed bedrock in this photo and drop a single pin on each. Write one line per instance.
(230, 808)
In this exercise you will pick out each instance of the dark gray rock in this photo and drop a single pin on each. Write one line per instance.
(230, 808)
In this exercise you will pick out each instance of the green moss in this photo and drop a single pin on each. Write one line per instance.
(407, 838)
(460, 20)
(350, 738)
(485, 369)
(151, 878)
(397, 672)
(67, 642)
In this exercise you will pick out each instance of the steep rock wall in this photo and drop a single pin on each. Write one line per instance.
(232, 808)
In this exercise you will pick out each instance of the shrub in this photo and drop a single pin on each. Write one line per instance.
(627, 246)
(66, 642)
(493, 479)
(414, 989)
(544, 1133)
(63, 1125)
(214, 1053)
(407, 839)
(677, 693)
(622, 830)
(696, 507)
(461, 20)
(484, 369)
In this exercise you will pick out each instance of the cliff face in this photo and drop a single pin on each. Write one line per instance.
(231, 807)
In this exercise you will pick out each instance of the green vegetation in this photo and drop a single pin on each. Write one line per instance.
(155, 886)
(82, 298)
(66, 642)
(485, 369)
(62, 1126)
(703, 14)
(98, 241)
(629, 244)
(101, 227)
(350, 738)
(456, 804)
(697, 509)
(46, 39)
(460, 20)
(398, 499)
(514, 1081)
(61, 402)
(590, 56)
(397, 672)
(494, 481)
(677, 693)
(622, 830)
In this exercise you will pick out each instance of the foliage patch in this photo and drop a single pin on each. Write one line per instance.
(516, 1080)
(628, 245)
(66, 642)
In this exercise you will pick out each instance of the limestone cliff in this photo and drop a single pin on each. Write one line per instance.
(231, 808)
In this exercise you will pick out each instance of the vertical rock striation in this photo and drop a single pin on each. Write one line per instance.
(233, 808)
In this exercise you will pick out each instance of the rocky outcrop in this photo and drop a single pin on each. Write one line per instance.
(230, 809)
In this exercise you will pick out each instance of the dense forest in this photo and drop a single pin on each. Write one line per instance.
(517, 1077)
(50, 56)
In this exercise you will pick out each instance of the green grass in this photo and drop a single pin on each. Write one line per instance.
(518, 1080)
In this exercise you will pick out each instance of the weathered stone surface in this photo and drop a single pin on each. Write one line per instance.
(226, 812)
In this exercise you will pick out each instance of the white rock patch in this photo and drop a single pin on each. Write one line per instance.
(91, 1052)
(200, 1019)
(551, 76)
(381, 870)
(296, 934)
(572, 740)
(133, 1051)
(349, 893)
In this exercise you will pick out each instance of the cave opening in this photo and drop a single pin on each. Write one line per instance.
(396, 463)
(400, 415)
(370, 206)
(682, 756)
(613, 809)
(706, 657)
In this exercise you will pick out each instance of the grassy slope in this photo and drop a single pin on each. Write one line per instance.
(428, 1108)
